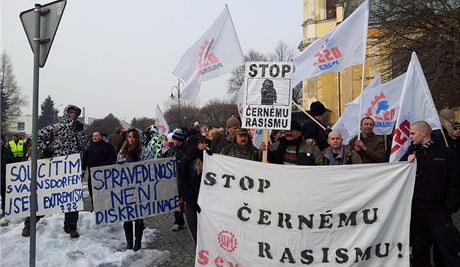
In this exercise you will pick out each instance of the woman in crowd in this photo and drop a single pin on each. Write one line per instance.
(132, 151)
(190, 180)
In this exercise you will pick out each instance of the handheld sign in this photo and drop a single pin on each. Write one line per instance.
(126, 192)
(268, 95)
(59, 186)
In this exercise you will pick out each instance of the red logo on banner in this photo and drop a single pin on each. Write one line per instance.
(227, 241)
(207, 61)
(327, 58)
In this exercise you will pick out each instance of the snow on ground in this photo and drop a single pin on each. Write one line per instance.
(97, 245)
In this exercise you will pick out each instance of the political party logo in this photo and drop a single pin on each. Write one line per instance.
(207, 60)
(380, 111)
(227, 241)
(327, 58)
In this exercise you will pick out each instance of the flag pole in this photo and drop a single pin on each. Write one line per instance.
(339, 110)
(363, 72)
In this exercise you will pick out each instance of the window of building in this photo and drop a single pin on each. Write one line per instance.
(330, 9)
(21, 126)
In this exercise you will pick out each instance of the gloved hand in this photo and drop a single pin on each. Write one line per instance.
(209, 152)
(77, 126)
(196, 207)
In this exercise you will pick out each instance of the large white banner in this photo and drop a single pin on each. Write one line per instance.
(267, 95)
(59, 186)
(256, 214)
(125, 192)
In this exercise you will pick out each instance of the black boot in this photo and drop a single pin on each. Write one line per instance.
(139, 230)
(128, 227)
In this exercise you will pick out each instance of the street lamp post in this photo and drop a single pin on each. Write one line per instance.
(177, 87)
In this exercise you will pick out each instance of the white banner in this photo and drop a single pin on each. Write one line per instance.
(59, 186)
(160, 121)
(125, 192)
(416, 105)
(217, 52)
(380, 102)
(258, 214)
(267, 99)
(343, 46)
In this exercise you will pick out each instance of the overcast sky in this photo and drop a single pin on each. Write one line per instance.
(113, 56)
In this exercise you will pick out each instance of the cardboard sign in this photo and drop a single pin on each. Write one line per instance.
(59, 186)
(126, 192)
(267, 103)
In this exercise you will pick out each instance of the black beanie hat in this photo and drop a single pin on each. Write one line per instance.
(178, 135)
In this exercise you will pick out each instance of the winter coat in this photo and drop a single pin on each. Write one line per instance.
(190, 180)
(311, 130)
(375, 152)
(437, 182)
(346, 156)
(116, 140)
(305, 154)
(99, 154)
(248, 151)
(220, 142)
(64, 138)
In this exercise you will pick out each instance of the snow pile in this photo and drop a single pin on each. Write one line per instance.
(97, 245)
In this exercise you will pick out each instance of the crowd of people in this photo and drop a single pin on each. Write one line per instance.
(437, 187)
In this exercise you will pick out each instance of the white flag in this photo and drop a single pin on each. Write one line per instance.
(347, 124)
(416, 105)
(161, 122)
(380, 102)
(343, 46)
(217, 52)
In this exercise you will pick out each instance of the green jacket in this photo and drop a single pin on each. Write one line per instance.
(375, 152)
(248, 151)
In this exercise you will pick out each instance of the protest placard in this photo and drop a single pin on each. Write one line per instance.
(276, 215)
(267, 99)
(59, 186)
(126, 192)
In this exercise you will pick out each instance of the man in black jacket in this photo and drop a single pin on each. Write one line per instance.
(436, 198)
(99, 153)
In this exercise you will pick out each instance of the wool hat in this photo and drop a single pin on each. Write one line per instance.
(232, 122)
(178, 135)
(242, 131)
(456, 125)
(317, 108)
(295, 126)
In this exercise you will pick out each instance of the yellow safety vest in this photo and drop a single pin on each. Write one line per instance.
(18, 150)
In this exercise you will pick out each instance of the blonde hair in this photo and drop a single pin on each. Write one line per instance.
(198, 166)
(214, 133)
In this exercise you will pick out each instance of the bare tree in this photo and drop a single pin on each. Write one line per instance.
(216, 112)
(142, 123)
(106, 125)
(183, 117)
(431, 28)
(11, 98)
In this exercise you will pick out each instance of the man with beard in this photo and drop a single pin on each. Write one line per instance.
(241, 147)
